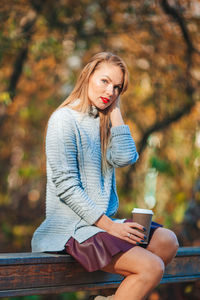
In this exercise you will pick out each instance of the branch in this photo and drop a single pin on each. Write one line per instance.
(25, 33)
(176, 116)
(171, 11)
(17, 70)
(166, 122)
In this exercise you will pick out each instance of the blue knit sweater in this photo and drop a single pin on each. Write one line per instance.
(77, 192)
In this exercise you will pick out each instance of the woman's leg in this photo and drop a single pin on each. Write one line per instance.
(164, 243)
(143, 271)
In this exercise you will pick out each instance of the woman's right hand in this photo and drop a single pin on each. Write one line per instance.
(129, 232)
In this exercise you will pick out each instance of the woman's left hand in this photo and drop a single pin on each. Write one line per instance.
(131, 232)
(115, 104)
(115, 113)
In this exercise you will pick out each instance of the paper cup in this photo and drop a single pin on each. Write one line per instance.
(143, 217)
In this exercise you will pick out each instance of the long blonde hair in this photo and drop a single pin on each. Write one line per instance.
(80, 92)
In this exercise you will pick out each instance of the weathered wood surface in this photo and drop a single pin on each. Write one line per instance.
(42, 273)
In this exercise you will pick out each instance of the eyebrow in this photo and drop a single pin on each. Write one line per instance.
(120, 84)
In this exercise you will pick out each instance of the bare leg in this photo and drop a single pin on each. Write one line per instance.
(164, 243)
(137, 265)
(143, 271)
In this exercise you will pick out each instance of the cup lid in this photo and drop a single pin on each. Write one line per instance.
(142, 211)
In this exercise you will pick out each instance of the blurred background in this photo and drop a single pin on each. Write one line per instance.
(43, 47)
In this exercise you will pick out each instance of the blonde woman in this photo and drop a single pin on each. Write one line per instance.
(86, 140)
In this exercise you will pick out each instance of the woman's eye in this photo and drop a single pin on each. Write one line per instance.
(117, 87)
(104, 81)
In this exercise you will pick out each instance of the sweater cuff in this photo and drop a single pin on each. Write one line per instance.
(120, 130)
(94, 216)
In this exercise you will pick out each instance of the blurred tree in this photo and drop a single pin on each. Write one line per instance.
(44, 44)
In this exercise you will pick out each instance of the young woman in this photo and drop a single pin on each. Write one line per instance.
(86, 140)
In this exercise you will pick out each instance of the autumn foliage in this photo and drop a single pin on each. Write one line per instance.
(43, 46)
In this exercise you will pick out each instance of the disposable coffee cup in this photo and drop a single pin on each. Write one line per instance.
(143, 217)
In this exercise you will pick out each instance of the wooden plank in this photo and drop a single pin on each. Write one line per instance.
(56, 290)
(188, 251)
(33, 258)
(42, 273)
(40, 257)
(72, 288)
(183, 266)
(45, 275)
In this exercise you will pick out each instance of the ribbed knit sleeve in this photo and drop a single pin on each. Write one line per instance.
(121, 150)
(61, 152)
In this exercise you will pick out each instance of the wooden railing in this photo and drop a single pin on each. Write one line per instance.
(40, 273)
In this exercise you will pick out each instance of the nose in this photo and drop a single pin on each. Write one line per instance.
(110, 90)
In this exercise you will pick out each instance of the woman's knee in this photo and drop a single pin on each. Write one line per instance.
(148, 266)
(153, 270)
(164, 239)
(168, 241)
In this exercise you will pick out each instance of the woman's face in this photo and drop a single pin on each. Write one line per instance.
(105, 85)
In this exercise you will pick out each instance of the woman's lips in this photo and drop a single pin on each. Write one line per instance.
(105, 100)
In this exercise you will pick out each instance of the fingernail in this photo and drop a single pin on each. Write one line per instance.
(137, 243)
(142, 241)
(145, 237)
(144, 229)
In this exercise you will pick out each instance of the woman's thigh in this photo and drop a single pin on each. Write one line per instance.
(134, 261)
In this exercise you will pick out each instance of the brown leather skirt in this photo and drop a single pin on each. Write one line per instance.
(97, 251)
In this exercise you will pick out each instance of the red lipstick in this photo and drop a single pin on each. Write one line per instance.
(105, 100)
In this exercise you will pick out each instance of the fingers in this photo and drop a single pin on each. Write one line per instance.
(133, 239)
(138, 240)
(136, 232)
(136, 225)
(118, 102)
(115, 104)
(130, 231)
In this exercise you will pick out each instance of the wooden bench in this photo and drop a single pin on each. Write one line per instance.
(40, 273)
